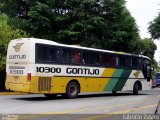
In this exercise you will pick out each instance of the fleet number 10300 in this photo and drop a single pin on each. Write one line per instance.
(16, 71)
(48, 69)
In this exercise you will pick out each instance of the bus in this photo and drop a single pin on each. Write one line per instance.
(46, 67)
(158, 79)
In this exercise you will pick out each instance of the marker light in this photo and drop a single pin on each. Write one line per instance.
(29, 77)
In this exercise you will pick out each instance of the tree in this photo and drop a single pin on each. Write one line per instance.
(154, 28)
(105, 24)
(145, 47)
(7, 33)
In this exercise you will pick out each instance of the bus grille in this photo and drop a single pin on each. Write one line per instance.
(44, 84)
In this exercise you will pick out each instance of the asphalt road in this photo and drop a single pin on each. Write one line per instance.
(85, 107)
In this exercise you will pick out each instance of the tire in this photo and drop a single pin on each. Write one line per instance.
(72, 90)
(50, 95)
(135, 89)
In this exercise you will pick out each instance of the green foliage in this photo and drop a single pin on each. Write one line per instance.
(157, 69)
(155, 66)
(154, 28)
(105, 24)
(146, 47)
(7, 33)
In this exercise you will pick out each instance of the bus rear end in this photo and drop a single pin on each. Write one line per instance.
(18, 65)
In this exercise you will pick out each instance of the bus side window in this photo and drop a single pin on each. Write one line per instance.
(76, 57)
(41, 53)
(53, 55)
(66, 56)
(128, 62)
(97, 59)
(84, 58)
(117, 61)
(135, 62)
(46, 54)
(103, 59)
(120, 61)
(111, 60)
(90, 58)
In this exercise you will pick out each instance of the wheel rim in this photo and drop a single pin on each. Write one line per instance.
(136, 87)
(72, 90)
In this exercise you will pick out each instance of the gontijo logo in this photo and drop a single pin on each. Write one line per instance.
(17, 47)
(136, 74)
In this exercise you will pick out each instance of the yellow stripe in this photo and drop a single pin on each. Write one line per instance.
(134, 109)
(31, 116)
(82, 109)
(118, 112)
(120, 52)
(108, 72)
(95, 117)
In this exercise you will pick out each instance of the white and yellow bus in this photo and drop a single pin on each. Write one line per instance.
(47, 67)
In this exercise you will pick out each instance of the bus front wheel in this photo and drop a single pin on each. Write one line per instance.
(72, 90)
(135, 89)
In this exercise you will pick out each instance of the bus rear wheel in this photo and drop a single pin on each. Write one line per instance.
(135, 89)
(50, 95)
(72, 90)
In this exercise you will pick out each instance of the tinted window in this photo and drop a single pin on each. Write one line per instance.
(71, 56)
(66, 56)
(76, 57)
(46, 54)
(111, 60)
(90, 58)
(120, 61)
(136, 62)
(103, 59)
(128, 62)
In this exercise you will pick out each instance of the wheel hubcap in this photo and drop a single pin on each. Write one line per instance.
(72, 90)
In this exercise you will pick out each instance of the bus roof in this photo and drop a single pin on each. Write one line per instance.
(49, 42)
